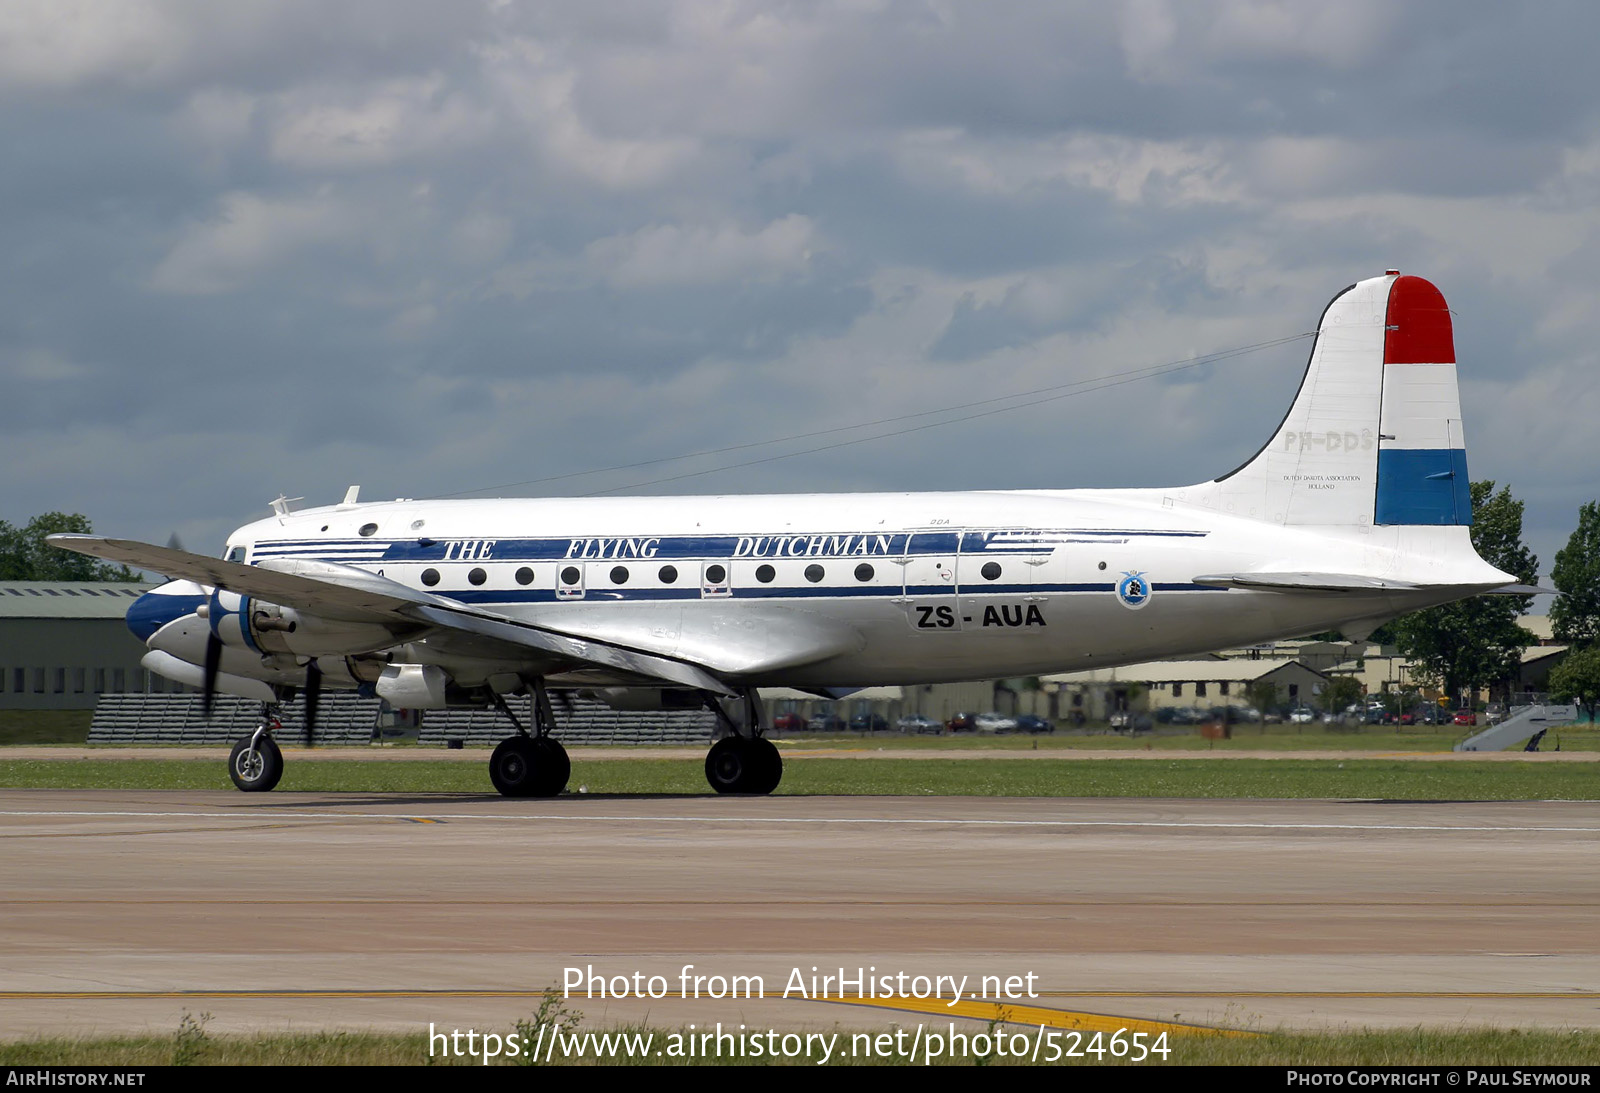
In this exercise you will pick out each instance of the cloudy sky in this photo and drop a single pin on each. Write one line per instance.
(437, 247)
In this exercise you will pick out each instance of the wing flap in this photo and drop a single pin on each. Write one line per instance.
(571, 647)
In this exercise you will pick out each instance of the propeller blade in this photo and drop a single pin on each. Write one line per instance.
(208, 686)
(313, 693)
(173, 542)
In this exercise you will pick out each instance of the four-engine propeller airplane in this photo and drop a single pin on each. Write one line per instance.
(1356, 510)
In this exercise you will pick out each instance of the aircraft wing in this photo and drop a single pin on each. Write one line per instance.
(358, 596)
(346, 592)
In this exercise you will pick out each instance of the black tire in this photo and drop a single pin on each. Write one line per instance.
(513, 768)
(554, 768)
(737, 764)
(259, 771)
(768, 766)
(729, 766)
(523, 766)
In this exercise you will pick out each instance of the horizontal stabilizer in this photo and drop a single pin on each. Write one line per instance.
(1520, 590)
(1307, 582)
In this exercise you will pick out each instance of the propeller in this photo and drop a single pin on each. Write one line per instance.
(313, 693)
(208, 685)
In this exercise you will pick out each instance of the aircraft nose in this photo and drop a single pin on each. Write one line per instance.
(155, 609)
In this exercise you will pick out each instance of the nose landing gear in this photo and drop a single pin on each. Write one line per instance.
(256, 763)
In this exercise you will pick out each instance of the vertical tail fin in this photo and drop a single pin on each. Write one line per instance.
(1374, 435)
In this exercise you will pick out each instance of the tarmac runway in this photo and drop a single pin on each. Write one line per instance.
(124, 910)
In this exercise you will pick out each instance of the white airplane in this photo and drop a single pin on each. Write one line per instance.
(1356, 510)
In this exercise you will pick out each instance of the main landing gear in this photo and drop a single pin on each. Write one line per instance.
(530, 766)
(256, 764)
(742, 764)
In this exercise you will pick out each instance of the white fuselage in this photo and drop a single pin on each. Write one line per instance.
(938, 586)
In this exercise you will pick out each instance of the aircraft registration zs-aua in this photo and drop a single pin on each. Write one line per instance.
(1355, 511)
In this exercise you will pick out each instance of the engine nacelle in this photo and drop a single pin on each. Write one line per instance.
(413, 686)
(248, 623)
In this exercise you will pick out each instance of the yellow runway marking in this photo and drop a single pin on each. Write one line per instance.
(490, 992)
(1011, 1013)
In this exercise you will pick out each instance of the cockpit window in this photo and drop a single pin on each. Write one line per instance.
(235, 554)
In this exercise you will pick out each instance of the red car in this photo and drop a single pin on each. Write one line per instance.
(1466, 717)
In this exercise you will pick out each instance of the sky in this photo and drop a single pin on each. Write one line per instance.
(283, 246)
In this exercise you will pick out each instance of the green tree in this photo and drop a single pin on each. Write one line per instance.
(1577, 679)
(1476, 642)
(1263, 695)
(25, 556)
(1340, 692)
(1575, 614)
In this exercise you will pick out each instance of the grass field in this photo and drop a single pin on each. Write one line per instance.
(191, 1045)
(1044, 777)
(45, 726)
(72, 727)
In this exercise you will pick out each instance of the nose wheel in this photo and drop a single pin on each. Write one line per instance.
(256, 763)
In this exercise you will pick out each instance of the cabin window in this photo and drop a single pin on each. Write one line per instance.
(477, 575)
(863, 572)
(619, 574)
(525, 575)
(368, 530)
(765, 574)
(570, 575)
(668, 574)
(716, 574)
(990, 571)
(430, 577)
(814, 573)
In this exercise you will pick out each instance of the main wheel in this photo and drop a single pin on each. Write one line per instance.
(737, 764)
(554, 768)
(255, 770)
(728, 765)
(524, 766)
(768, 765)
(513, 765)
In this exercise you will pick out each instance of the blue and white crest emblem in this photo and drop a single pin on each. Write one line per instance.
(1134, 590)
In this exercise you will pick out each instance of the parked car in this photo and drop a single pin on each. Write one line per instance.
(1029, 723)
(869, 722)
(1302, 715)
(826, 722)
(916, 722)
(995, 722)
(962, 722)
(788, 722)
(1466, 717)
